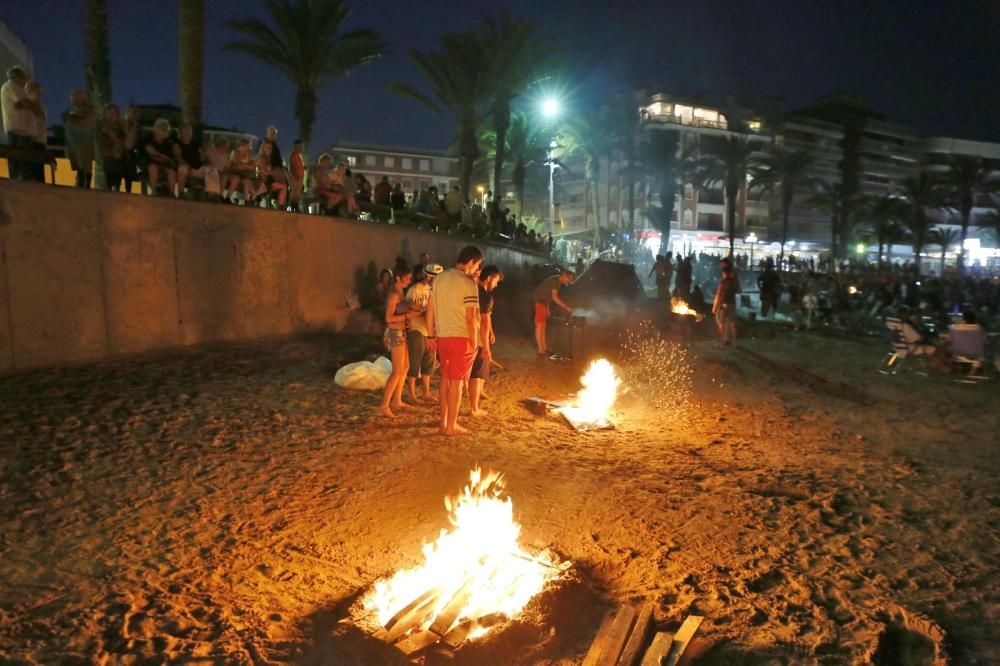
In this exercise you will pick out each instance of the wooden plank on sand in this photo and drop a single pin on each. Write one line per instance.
(658, 649)
(410, 616)
(611, 638)
(447, 616)
(417, 641)
(637, 641)
(682, 638)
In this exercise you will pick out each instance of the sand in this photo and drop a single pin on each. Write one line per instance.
(227, 504)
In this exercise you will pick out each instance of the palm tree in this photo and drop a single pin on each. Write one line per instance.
(784, 172)
(190, 48)
(623, 123)
(945, 237)
(831, 199)
(966, 178)
(884, 214)
(455, 74)
(728, 162)
(307, 46)
(586, 135)
(516, 56)
(668, 170)
(921, 193)
(525, 146)
(98, 67)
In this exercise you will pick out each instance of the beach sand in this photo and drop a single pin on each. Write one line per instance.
(226, 504)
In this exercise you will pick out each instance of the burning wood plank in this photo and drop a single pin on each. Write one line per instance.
(412, 615)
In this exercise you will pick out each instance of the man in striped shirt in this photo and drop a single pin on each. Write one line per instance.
(453, 327)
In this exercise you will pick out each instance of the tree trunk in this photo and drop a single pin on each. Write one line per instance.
(98, 69)
(731, 196)
(305, 112)
(518, 176)
(501, 123)
(966, 215)
(607, 194)
(944, 248)
(881, 247)
(631, 192)
(786, 205)
(467, 153)
(833, 243)
(190, 48)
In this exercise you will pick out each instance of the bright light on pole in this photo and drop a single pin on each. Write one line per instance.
(550, 108)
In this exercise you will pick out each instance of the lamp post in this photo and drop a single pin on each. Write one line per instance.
(550, 109)
(752, 240)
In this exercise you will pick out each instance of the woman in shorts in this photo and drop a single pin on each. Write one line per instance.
(397, 320)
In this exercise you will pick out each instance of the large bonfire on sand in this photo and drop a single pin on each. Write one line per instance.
(472, 577)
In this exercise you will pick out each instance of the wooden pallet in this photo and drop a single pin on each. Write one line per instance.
(626, 638)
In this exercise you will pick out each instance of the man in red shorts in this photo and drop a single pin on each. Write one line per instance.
(545, 295)
(453, 327)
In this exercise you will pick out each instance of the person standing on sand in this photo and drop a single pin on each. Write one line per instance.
(397, 319)
(489, 278)
(545, 295)
(453, 324)
(724, 306)
(421, 359)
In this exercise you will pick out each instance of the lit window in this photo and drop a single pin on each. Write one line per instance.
(390, 161)
(754, 125)
(352, 160)
(425, 165)
(407, 163)
(369, 160)
(688, 218)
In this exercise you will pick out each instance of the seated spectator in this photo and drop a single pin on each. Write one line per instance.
(382, 192)
(132, 158)
(81, 124)
(296, 174)
(453, 204)
(277, 163)
(111, 147)
(243, 165)
(218, 179)
(967, 337)
(40, 136)
(321, 183)
(189, 158)
(271, 178)
(342, 190)
(397, 200)
(158, 157)
(362, 188)
(917, 341)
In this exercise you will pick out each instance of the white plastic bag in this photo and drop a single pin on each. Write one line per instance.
(365, 375)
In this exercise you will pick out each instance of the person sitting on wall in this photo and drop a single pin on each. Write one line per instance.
(271, 180)
(188, 155)
(219, 181)
(158, 157)
(244, 166)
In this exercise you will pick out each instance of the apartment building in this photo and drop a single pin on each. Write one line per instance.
(413, 168)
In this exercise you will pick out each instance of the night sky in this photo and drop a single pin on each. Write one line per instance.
(934, 67)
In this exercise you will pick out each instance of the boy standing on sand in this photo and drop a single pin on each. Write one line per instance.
(453, 327)
(724, 306)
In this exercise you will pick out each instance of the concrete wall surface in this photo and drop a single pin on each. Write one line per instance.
(86, 274)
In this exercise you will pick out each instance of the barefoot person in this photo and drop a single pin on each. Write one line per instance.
(489, 278)
(545, 295)
(453, 323)
(397, 319)
(724, 306)
(421, 359)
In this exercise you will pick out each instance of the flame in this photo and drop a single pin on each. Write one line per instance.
(479, 559)
(592, 405)
(678, 306)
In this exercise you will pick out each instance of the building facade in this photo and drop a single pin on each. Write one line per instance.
(412, 168)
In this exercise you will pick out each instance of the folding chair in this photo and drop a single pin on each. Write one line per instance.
(899, 349)
(968, 351)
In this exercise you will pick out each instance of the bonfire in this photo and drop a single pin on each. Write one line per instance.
(680, 307)
(591, 407)
(473, 576)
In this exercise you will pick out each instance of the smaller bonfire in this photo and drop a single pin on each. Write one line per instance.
(680, 307)
(591, 407)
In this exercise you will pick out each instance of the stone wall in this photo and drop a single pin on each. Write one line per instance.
(85, 274)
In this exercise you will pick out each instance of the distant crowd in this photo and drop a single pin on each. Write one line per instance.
(175, 162)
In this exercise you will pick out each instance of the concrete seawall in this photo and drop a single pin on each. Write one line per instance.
(85, 275)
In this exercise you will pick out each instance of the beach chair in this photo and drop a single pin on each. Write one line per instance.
(901, 347)
(968, 351)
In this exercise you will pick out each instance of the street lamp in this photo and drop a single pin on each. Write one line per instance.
(550, 108)
(752, 240)
(552, 198)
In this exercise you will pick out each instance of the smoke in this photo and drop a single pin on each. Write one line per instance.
(656, 371)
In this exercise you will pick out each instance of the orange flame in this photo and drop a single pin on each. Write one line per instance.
(480, 559)
(591, 408)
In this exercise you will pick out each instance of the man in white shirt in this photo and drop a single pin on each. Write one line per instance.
(18, 119)
(453, 327)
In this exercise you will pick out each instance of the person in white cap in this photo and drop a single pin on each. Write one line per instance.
(421, 358)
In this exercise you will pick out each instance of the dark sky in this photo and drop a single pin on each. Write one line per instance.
(932, 65)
